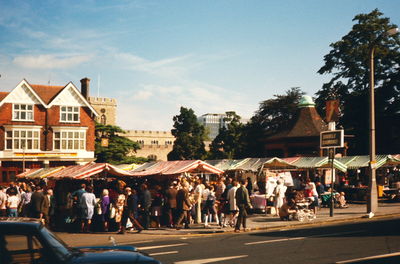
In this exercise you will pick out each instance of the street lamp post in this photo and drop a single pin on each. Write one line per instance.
(372, 199)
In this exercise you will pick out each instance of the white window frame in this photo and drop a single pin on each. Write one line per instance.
(69, 139)
(68, 114)
(18, 112)
(21, 138)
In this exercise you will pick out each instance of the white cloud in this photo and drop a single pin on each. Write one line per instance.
(47, 61)
(154, 105)
(175, 67)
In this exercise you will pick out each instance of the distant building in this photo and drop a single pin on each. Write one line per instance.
(106, 108)
(45, 126)
(155, 145)
(212, 123)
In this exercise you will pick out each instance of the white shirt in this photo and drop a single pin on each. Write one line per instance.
(13, 202)
(231, 198)
(199, 191)
(206, 191)
(3, 200)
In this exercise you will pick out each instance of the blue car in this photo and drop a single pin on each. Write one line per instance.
(24, 240)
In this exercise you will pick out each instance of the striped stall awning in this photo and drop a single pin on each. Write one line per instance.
(318, 162)
(176, 167)
(357, 162)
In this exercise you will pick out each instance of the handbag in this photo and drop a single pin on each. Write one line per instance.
(113, 211)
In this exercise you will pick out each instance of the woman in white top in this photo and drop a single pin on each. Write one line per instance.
(279, 193)
(312, 190)
(12, 204)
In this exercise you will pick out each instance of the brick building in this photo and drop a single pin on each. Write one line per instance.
(45, 126)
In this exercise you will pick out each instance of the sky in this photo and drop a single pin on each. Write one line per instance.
(153, 57)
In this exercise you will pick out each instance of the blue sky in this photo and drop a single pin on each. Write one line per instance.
(156, 56)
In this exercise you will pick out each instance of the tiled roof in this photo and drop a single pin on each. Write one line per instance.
(46, 92)
(3, 95)
(308, 124)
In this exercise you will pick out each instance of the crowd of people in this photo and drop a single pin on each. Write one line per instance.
(177, 203)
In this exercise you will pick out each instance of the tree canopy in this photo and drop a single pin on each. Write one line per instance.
(189, 137)
(348, 64)
(118, 146)
(228, 143)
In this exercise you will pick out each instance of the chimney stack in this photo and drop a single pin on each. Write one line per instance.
(85, 87)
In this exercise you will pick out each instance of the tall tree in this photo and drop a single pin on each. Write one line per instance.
(348, 63)
(189, 137)
(273, 116)
(118, 146)
(228, 143)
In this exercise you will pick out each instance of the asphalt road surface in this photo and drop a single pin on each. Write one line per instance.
(367, 242)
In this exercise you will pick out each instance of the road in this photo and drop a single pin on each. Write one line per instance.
(330, 244)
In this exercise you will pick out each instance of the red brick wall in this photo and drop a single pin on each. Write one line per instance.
(53, 117)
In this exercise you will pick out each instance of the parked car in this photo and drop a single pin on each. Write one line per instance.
(25, 240)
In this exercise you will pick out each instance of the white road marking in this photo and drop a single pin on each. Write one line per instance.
(341, 233)
(369, 258)
(300, 238)
(162, 246)
(275, 240)
(164, 253)
(209, 260)
(134, 242)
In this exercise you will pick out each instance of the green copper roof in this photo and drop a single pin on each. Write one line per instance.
(306, 101)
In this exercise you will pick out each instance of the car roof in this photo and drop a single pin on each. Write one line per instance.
(19, 225)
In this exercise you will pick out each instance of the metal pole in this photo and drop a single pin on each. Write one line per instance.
(372, 197)
(23, 157)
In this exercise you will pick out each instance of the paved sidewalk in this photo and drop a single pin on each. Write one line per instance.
(355, 213)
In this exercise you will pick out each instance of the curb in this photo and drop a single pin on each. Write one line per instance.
(300, 225)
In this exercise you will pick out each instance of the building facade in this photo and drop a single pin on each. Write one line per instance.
(303, 138)
(212, 123)
(106, 108)
(154, 145)
(45, 126)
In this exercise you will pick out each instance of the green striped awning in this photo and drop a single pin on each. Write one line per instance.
(356, 162)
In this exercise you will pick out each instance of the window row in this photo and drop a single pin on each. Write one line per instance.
(155, 142)
(24, 112)
(29, 139)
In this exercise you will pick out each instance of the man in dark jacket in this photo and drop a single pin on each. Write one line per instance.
(183, 205)
(170, 194)
(242, 202)
(130, 209)
(145, 205)
(37, 203)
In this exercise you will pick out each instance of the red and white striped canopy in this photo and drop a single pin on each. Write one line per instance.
(176, 167)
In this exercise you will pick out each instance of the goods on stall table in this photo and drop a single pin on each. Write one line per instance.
(304, 212)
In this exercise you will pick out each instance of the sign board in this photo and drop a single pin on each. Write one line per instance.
(328, 176)
(104, 142)
(332, 139)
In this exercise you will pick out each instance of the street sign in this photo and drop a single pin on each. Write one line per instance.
(332, 139)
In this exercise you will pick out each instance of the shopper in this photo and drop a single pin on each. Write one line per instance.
(243, 203)
(87, 203)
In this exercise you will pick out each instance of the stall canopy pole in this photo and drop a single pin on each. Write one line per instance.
(332, 159)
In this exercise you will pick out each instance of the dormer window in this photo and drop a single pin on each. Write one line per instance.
(69, 114)
(22, 112)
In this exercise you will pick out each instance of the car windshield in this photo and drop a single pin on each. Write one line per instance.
(59, 248)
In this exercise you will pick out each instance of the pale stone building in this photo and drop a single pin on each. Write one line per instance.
(155, 145)
(106, 108)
